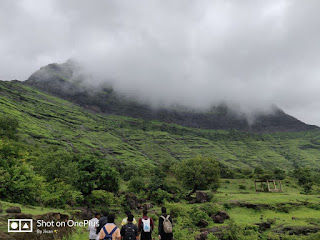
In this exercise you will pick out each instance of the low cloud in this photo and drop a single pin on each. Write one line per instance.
(249, 54)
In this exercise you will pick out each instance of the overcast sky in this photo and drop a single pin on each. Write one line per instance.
(193, 52)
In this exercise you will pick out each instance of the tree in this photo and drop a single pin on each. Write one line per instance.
(199, 173)
(95, 174)
(304, 177)
(8, 126)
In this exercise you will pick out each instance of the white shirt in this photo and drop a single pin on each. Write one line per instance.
(92, 227)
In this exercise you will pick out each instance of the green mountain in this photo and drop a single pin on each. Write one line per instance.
(64, 80)
(59, 153)
(47, 121)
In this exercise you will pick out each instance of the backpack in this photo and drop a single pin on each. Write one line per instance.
(146, 225)
(167, 225)
(109, 235)
(130, 232)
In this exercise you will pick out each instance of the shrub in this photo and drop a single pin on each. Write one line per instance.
(8, 127)
(100, 197)
(160, 196)
(136, 185)
(211, 237)
(210, 208)
(197, 215)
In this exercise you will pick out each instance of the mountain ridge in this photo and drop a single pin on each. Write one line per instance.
(60, 80)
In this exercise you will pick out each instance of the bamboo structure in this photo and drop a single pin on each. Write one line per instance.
(268, 185)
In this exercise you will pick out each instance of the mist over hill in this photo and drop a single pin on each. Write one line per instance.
(68, 82)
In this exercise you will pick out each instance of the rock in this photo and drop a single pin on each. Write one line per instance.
(132, 201)
(224, 215)
(214, 229)
(4, 236)
(202, 223)
(217, 231)
(146, 206)
(220, 217)
(202, 197)
(84, 213)
(296, 230)
(202, 236)
(217, 219)
(19, 215)
(263, 226)
(13, 210)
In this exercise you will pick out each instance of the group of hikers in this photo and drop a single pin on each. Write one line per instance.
(104, 228)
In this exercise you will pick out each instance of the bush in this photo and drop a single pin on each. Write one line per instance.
(100, 197)
(160, 196)
(211, 237)
(242, 187)
(197, 215)
(136, 185)
(210, 208)
(8, 127)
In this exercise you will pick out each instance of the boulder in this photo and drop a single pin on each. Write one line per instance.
(202, 236)
(13, 210)
(202, 223)
(202, 197)
(217, 219)
(220, 217)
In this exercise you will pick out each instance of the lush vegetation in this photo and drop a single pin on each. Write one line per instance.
(56, 154)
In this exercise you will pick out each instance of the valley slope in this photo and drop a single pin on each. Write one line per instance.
(46, 121)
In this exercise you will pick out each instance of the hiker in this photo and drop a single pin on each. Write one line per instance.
(102, 221)
(165, 226)
(110, 231)
(145, 226)
(129, 231)
(124, 221)
(92, 227)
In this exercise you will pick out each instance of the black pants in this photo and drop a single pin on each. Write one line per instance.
(146, 236)
(166, 236)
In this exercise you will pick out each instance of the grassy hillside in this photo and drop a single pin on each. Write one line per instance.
(47, 121)
(54, 157)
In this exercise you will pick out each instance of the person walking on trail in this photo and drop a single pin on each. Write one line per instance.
(165, 225)
(124, 221)
(110, 231)
(146, 226)
(92, 227)
(102, 221)
(129, 231)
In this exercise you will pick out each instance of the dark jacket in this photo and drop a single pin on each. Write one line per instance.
(102, 221)
(164, 236)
